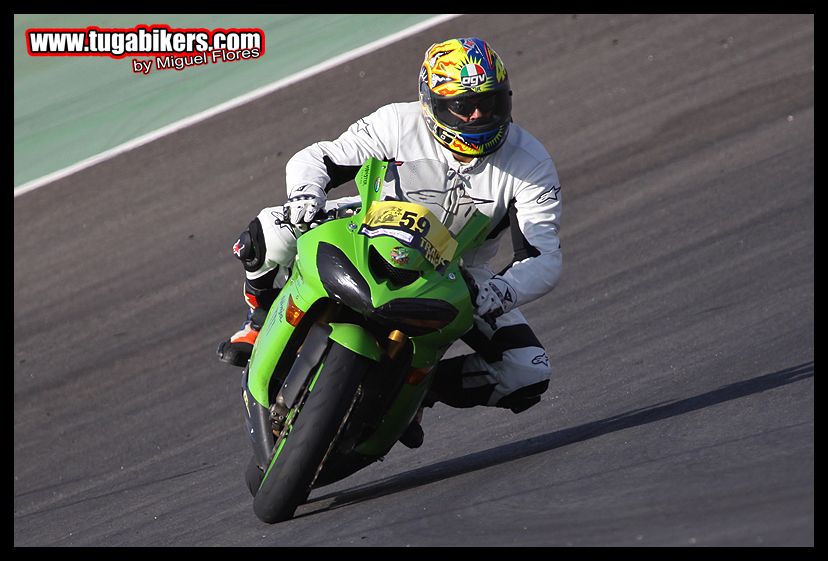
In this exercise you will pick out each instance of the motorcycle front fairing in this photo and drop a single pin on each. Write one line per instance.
(393, 263)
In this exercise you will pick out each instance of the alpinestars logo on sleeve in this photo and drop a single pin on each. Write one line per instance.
(551, 193)
(363, 126)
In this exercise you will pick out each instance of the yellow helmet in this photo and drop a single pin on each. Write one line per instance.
(465, 96)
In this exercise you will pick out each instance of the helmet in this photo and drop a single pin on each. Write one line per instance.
(457, 76)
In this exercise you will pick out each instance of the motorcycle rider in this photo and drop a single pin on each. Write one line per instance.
(463, 119)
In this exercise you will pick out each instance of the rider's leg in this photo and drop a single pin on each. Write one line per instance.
(510, 368)
(266, 249)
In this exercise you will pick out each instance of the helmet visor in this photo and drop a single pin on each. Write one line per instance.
(473, 113)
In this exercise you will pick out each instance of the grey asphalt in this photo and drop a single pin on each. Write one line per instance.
(681, 411)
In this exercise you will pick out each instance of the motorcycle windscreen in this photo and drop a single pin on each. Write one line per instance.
(433, 185)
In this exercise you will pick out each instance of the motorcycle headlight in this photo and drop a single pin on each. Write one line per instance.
(344, 283)
(341, 279)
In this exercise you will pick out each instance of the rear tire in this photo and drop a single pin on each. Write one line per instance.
(287, 482)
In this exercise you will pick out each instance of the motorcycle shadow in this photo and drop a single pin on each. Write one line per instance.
(553, 440)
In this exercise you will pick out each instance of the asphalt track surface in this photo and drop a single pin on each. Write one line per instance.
(681, 411)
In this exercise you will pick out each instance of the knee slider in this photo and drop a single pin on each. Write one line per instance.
(250, 247)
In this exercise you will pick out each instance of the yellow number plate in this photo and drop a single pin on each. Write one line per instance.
(413, 225)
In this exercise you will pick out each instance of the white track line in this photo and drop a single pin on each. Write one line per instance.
(227, 105)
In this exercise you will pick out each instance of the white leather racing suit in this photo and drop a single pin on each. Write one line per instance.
(517, 186)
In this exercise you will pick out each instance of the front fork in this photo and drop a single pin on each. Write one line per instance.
(263, 423)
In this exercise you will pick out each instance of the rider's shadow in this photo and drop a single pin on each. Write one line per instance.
(557, 439)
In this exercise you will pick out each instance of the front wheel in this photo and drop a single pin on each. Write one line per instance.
(253, 475)
(309, 433)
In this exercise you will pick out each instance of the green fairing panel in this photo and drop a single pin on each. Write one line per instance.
(353, 236)
(356, 339)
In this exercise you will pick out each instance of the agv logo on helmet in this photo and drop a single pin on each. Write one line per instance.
(472, 76)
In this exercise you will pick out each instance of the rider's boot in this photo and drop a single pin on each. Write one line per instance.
(237, 349)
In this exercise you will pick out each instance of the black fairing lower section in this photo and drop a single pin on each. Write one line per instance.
(416, 316)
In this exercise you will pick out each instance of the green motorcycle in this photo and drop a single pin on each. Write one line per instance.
(347, 353)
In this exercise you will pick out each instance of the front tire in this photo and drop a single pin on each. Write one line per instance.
(253, 475)
(309, 434)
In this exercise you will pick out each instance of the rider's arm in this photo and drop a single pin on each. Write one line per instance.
(328, 164)
(535, 221)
